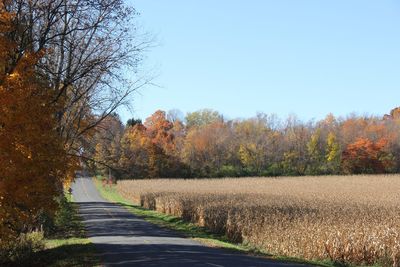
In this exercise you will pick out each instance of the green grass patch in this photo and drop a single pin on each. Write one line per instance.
(191, 230)
(67, 245)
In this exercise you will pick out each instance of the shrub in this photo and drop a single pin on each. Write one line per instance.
(228, 171)
(17, 252)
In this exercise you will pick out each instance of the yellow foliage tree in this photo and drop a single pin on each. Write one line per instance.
(33, 162)
(251, 156)
(333, 153)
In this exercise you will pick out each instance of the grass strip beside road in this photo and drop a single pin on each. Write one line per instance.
(189, 229)
(69, 246)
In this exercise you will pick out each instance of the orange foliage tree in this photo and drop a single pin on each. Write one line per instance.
(149, 149)
(366, 156)
(33, 162)
(207, 149)
(134, 156)
(158, 130)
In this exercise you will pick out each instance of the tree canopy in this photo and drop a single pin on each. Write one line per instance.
(206, 145)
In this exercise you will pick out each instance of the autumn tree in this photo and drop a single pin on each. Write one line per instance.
(366, 156)
(108, 145)
(61, 75)
(134, 160)
(353, 128)
(315, 149)
(89, 45)
(33, 161)
(258, 147)
(202, 118)
(179, 132)
(206, 148)
(149, 150)
(295, 155)
(333, 154)
(162, 151)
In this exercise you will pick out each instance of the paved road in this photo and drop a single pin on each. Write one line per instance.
(126, 240)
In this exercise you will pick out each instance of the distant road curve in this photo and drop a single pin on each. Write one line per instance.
(126, 240)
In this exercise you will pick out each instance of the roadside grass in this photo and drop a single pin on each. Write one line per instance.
(191, 230)
(68, 246)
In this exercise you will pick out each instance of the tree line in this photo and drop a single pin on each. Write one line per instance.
(204, 144)
(61, 75)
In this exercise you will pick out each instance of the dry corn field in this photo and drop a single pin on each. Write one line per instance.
(348, 219)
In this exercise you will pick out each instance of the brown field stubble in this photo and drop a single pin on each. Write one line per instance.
(349, 219)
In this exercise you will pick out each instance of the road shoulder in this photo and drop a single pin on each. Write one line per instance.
(69, 246)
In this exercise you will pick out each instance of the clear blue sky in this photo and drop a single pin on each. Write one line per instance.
(299, 56)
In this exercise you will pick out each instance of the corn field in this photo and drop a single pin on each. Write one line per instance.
(346, 219)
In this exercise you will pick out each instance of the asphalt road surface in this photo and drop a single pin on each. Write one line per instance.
(123, 239)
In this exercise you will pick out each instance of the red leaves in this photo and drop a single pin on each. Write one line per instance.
(366, 156)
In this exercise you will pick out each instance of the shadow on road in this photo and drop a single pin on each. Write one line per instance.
(177, 255)
(83, 255)
(109, 219)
